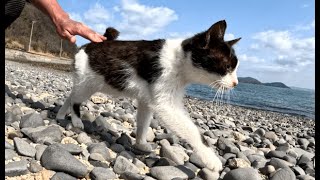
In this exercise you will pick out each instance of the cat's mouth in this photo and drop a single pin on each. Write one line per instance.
(219, 84)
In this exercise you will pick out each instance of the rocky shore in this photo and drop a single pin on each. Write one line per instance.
(252, 144)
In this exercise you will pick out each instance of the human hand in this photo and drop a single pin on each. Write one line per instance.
(68, 28)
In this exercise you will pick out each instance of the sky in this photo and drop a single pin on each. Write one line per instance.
(278, 37)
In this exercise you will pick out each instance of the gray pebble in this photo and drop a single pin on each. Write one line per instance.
(34, 166)
(84, 138)
(39, 151)
(32, 120)
(98, 164)
(277, 154)
(100, 173)
(9, 154)
(62, 176)
(163, 161)
(170, 172)
(24, 148)
(71, 148)
(128, 155)
(283, 173)
(279, 163)
(118, 148)
(174, 153)
(303, 143)
(44, 134)
(122, 165)
(16, 168)
(305, 177)
(304, 159)
(57, 159)
(298, 170)
(242, 173)
(10, 118)
(206, 174)
(8, 145)
(101, 149)
(131, 176)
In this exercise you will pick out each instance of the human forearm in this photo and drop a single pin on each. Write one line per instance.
(52, 9)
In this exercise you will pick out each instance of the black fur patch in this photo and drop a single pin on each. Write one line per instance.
(76, 109)
(116, 60)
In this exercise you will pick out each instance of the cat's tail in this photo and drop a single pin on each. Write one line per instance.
(111, 33)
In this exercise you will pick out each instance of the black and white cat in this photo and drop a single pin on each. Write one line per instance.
(155, 73)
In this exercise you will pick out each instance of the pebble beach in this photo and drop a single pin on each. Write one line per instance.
(251, 144)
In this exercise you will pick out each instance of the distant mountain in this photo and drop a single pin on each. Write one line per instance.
(251, 80)
(248, 80)
(276, 84)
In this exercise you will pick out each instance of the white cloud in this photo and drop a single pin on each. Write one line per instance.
(75, 16)
(254, 59)
(138, 19)
(229, 36)
(284, 49)
(97, 14)
(134, 20)
(305, 27)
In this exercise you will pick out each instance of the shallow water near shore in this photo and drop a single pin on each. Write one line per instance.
(295, 101)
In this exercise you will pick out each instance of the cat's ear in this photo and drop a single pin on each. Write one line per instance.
(233, 42)
(216, 31)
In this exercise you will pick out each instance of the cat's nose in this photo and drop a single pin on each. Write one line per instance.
(235, 83)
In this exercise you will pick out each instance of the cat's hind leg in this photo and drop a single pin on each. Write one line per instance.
(144, 116)
(78, 95)
(65, 109)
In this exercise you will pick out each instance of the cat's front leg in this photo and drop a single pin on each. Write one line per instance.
(175, 118)
(208, 157)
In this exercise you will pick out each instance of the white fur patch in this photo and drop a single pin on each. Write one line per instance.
(81, 62)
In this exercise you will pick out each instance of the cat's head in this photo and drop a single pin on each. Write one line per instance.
(212, 58)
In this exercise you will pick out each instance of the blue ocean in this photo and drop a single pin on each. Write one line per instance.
(297, 101)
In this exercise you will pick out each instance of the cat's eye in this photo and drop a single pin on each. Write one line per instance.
(228, 67)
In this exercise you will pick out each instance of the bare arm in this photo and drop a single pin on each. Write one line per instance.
(66, 27)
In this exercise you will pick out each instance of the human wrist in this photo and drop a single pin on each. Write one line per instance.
(59, 17)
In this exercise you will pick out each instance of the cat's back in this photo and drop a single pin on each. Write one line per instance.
(122, 49)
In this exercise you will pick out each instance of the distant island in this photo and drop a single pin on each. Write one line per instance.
(251, 80)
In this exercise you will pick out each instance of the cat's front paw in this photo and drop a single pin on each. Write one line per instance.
(210, 159)
(77, 123)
